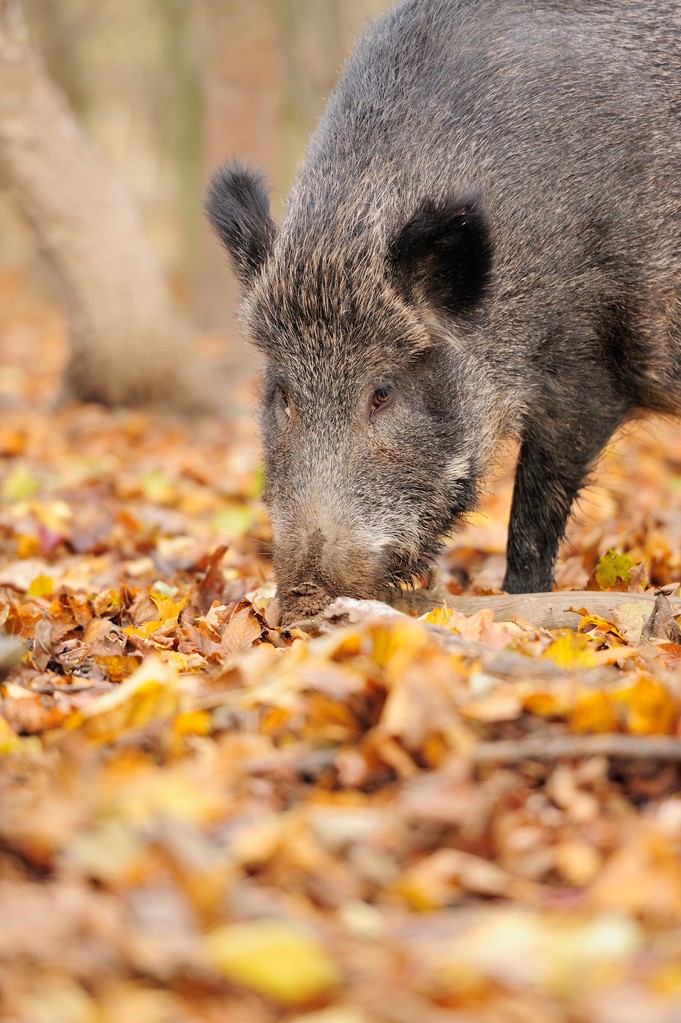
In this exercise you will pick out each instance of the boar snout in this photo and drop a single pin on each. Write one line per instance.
(322, 564)
(304, 601)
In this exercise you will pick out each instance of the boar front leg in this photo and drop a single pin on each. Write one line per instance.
(553, 465)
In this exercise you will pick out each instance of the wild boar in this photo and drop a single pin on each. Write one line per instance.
(484, 240)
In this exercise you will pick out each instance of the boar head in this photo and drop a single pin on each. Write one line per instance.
(377, 412)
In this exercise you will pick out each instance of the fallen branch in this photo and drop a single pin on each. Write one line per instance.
(569, 747)
(346, 611)
(545, 610)
(548, 610)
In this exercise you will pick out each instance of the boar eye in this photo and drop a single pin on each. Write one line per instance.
(381, 396)
(284, 398)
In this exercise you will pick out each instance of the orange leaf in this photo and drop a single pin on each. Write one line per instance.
(593, 712)
(649, 707)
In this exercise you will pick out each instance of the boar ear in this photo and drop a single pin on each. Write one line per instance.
(238, 209)
(443, 255)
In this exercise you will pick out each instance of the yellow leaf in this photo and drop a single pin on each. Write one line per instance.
(593, 712)
(145, 631)
(168, 614)
(117, 666)
(273, 958)
(572, 650)
(396, 646)
(9, 740)
(42, 586)
(20, 484)
(168, 609)
(545, 704)
(195, 722)
(446, 875)
(328, 720)
(649, 706)
(151, 692)
(438, 616)
(595, 620)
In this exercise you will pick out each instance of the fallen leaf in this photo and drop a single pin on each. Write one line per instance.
(613, 571)
(572, 650)
(649, 707)
(274, 958)
(152, 692)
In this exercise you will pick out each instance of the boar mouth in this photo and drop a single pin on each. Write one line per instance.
(301, 603)
(305, 601)
(406, 575)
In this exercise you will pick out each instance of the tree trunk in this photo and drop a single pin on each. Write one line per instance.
(268, 69)
(127, 344)
(241, 102)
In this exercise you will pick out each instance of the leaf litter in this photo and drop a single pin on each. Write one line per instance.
(205, 818)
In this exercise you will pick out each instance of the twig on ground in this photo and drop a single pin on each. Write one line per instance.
(550, 610)
(568, 747)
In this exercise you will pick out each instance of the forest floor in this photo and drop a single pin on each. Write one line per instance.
(204, 818)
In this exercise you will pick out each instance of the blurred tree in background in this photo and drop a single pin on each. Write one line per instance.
(128, 345)
(167, 89)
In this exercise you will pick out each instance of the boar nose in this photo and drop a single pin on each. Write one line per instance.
(327, 547)
(327, 554)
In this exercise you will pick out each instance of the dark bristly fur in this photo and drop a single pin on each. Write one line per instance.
(444, 253)
(238, 207)
(484, 239)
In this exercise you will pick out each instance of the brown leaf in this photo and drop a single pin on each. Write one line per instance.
(661, 623)
(242, 630)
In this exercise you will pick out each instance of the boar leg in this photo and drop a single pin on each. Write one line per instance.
(552, 467)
